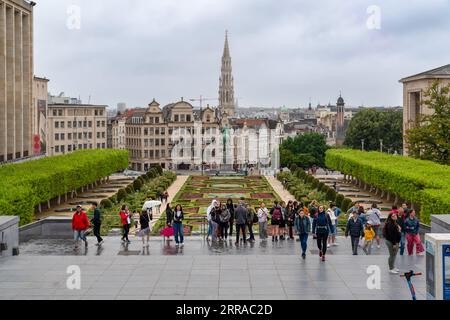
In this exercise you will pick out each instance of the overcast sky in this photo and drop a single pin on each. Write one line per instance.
(283, 52)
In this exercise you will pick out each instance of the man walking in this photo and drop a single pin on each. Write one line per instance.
(356, 231)
(97, 222)
(241, 219)
(80, 223)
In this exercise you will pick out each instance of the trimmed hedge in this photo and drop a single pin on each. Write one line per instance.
(423, 182)
(24, 186)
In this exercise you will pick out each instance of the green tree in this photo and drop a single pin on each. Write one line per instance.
(430, 138)
(304, 150)
(373, 125)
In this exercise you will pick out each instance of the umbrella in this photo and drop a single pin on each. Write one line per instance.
(151, 204)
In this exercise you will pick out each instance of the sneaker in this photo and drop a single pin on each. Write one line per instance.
(328, 245)
(393, 271)
(336, 244)
(320, 254)
(100, 243)
(397, 269)
(177, 245)
(303, 256)
(182, 244)
(128, 241)
(421, 253)
(378, 247)
(323, 258)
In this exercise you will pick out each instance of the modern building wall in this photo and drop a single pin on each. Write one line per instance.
(74, 127)
(16, 74)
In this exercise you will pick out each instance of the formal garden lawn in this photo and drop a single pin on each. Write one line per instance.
(199, 191)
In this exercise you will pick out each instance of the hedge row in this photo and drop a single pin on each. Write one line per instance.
(423, 182)
(299, 178)
(24, 186)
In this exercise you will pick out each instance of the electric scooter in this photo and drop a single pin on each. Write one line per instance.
(408, 276)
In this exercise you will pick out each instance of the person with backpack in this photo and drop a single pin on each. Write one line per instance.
(230, 207)
(412, 225)
(241, 220)
(97, 222)
(374, 219)
(224, 222)
(251, 219)
(276, 215)
(178, 230)
(126, 222)
(263, 215)
(144, 220)
(356, 231)
(303, 226)
(80, 223)
(322, 227)
(392, 232)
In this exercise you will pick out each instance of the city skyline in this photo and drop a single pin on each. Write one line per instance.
(291, 53)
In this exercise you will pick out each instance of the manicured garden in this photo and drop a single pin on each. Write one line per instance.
(199, 191)
(24, 186)
(424, 183)
(134, 196)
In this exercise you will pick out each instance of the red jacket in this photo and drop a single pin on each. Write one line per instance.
(124, 217)
(80, 221)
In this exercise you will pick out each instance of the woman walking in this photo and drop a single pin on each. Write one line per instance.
(392, 234)
(178, 217)
(373, 217)
(276, 214)
(334, 222)
(169, 217)
(303, 227)
(144, 220)
(215, 221)
(322, 227)
(230, 207)
(126, 221)
(412, 234)
(292, 210)
(282, 225)
(224, 222)
(263, 215)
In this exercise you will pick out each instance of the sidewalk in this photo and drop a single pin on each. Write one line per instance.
(284, 194)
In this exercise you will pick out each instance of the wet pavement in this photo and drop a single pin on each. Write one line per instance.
(262, 271)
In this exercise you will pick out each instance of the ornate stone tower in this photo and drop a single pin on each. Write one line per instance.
(340, 121)
(226, 86)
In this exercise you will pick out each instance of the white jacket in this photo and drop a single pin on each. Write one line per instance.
(208, 211)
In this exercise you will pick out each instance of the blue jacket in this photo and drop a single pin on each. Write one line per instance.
(354, 228)
(302, 225)
(322, 223)
(411, 226)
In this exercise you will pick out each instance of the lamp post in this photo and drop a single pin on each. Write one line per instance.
(362, 144)
(381, 145)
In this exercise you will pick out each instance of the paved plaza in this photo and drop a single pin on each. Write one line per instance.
(262, 271)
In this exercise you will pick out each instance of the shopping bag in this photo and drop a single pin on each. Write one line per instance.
(167, 232)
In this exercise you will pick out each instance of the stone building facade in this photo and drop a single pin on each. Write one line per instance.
(73, 127)
(39, 114)
(413, 94)
(16, 79)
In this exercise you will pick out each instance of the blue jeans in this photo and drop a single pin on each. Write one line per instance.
(303, 242)
(210, 227)
(178, 231)
(79, 235)
(214, 227)
(402, 243)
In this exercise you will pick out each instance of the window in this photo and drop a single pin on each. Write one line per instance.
(103, 135)
(80, 124)
(62, 124)
(156, 153)
(103, 146)
(151, 142)
(151, 154)
(163, 131)
(98, 135)
(62, 137)
(90, 146)
(85, 146)
(90, 135)
(63, 148)
(103, 124)
(157, 131)
(56, 124)
(80, 146)
(85, 124)
(60, 113)
(69, 136)
(57, 149)
(80, 136)
(163, 142)
(69, 147)
(69, 124)
(157, 142)
(157, 120)
(145, 153)
(96, 112)
(98, 145)
(152, 131)
(176, 118)
(90, 124)
(163, 153)
(150, 119)
(74, 124)
(188, 118)
(55, 113)
(145, 132)
(98, 124)
(182, 118)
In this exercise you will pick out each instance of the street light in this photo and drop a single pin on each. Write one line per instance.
(381, 145)
(362, 144)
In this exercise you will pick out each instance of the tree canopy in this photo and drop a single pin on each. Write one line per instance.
(304, 150)
(430, 139)
(373, 125)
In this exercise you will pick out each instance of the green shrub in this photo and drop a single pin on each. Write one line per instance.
(23, 186)
(423, 182)
(106, 204)
(121, 195)
(339, 199)
(293, 168)
(346, 204)
(331, 194)
(137, 184)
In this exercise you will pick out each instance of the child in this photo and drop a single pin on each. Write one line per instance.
(136, 218)
(369, 234)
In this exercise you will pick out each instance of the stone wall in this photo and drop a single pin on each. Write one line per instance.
(9, 236)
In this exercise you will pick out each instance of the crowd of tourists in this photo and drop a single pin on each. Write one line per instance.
(282, 222)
